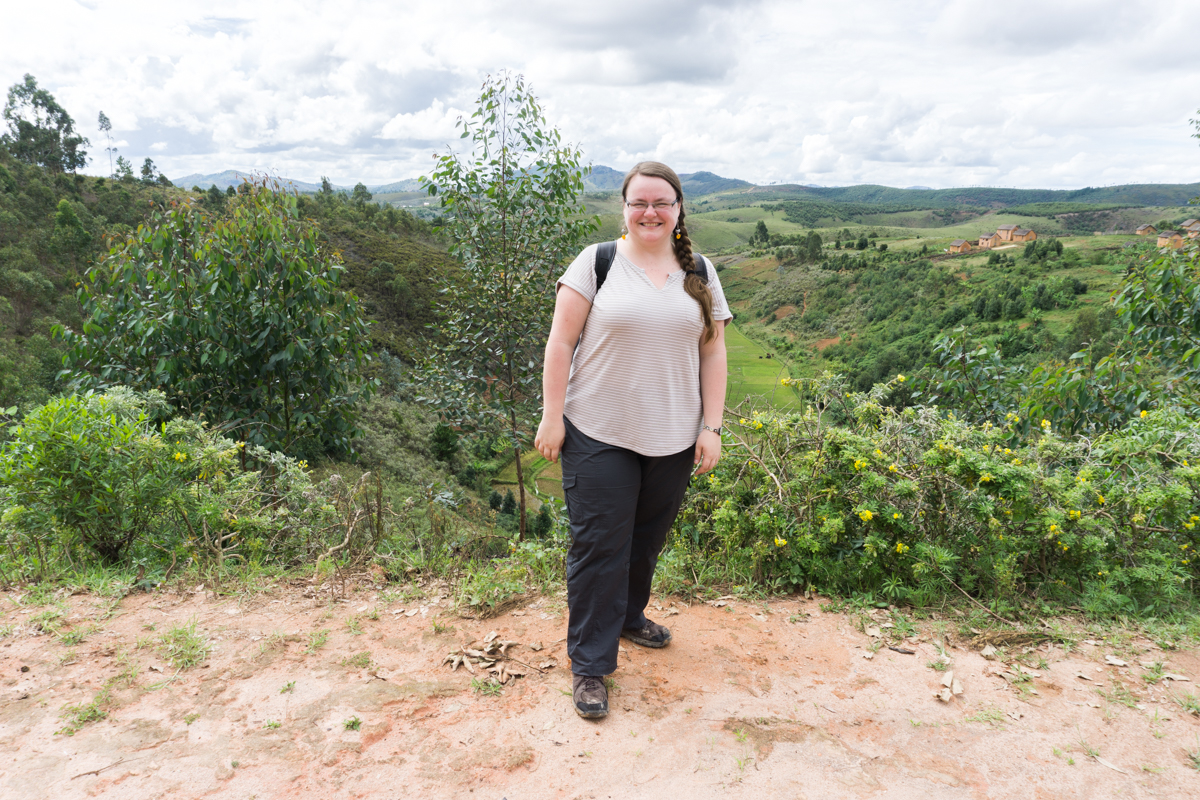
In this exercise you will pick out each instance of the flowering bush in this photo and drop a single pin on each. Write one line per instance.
(918, 504)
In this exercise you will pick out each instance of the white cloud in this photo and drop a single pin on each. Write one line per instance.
(931, 92)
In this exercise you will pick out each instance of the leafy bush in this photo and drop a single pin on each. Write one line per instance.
(100, 475)
(242, 318)
(918, 504)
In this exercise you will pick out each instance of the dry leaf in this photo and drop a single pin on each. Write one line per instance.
(670, 612)
(1015, 714)
(516, 673)
(944, 695)
(988, 652)
(154, 668)
(1091, 704)
(956, 687)
(491, 636)
(868, 656)
(1110, 766)
(948, 678)
(887, 625)
(1081, 676)
(1092, 642)
(413, 612)
(535, 646)
(720, 604)
(758, 617)
(874, 632)
(1172, 677)
(1114, 661)
(547, 665)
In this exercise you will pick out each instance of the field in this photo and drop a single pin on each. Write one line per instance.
(754, 371)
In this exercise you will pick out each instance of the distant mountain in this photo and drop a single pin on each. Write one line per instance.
(607, 179)
(233, 177)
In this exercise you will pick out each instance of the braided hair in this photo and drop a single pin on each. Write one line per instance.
(693, 284)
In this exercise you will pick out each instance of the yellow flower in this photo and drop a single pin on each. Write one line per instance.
(743, 421)
(865, 515)
(1144, 413)
(859, 463)
(878, 453)
(780, 542)
(901, 547)
(1053, 528)
(1045, 424)
(1073, 514)
(897, 515)
(181, 457)
(893, 468)
(1016, 462)
(986, 478)
(1100, 499)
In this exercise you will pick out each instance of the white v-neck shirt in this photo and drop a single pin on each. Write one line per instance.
(635, 375)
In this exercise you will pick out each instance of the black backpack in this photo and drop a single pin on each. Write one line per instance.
(607, 251)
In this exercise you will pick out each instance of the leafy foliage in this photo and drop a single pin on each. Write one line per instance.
(915, 505)
(242, 319)
(40, 131)
(513, 216)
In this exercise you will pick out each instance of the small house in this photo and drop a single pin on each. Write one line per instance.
(1005, 232)
(989, 241)
(1024, 235)
(1189, 224)
(960, 246)
(1170, 239)
(1145, 230)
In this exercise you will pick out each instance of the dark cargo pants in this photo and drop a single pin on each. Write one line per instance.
(621, 506)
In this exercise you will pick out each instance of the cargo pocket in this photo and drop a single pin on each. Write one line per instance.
(568, 484)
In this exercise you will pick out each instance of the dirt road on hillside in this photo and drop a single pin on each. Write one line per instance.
(750, 700)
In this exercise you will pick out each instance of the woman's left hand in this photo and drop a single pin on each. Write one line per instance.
(708, 451)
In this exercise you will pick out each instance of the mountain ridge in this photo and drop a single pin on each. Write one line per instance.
(606, 179)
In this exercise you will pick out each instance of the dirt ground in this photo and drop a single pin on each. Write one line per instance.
(749, 699)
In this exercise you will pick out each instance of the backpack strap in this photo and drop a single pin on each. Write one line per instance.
(605, 254)
(607, 251)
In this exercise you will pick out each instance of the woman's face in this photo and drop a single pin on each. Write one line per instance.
(650, 226)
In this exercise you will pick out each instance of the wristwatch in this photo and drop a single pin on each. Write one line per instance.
(717, 430)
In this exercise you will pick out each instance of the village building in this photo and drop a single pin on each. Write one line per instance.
(1024, 235)
(1005, 232)
(989, 241)
(1170, 239)
(1192, 226)
(960, 246)
(1145, 230)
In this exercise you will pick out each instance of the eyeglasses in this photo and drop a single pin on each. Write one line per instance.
(638, 205)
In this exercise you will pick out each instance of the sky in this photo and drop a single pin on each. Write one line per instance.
(938, 93)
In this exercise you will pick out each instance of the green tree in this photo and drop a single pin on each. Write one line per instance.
(124, 169)
(149, 171)
(40, 131)
(361, 196)
(761, 235)
(241, 318)
(513, 215)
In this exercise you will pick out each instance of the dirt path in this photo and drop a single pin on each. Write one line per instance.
(749, 700)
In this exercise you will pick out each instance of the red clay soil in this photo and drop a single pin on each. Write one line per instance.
(750, 700)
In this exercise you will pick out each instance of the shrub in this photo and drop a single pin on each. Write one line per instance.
(917, 504)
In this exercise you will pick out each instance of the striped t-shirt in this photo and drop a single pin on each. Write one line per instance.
(635, 376)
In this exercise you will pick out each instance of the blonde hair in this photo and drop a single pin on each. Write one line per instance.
(692, 283)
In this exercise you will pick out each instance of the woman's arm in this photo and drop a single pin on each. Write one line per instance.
(713, 374)
(570, 313)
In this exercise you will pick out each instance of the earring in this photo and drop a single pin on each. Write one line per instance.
(624, 230)
(678, 235)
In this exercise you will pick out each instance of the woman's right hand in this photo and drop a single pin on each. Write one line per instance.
(549, 439)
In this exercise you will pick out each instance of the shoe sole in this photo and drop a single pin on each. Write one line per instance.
(591, 714)
(645, 642)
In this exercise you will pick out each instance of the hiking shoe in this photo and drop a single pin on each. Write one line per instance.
(590, 696)
(649, 635)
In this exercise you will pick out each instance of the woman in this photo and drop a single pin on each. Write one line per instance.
(634, 390)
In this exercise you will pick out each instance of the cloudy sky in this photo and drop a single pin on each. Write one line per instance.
(1045, 93)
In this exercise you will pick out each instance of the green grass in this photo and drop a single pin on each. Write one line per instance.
(184, 646)
(752, 373)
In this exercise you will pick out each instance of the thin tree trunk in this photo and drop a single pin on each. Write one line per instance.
(520, 471)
